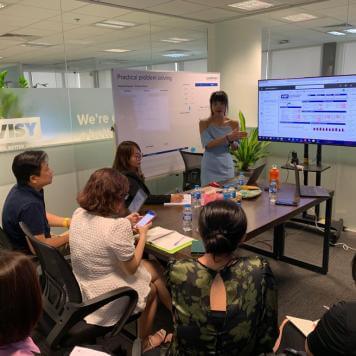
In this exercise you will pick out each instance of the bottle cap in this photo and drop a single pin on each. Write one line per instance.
(187, 205)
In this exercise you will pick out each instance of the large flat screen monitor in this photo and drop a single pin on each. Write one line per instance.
(318, 110)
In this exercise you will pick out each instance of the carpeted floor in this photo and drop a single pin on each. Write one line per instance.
(301, 293)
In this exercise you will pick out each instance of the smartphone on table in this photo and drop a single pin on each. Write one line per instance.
(147, 218)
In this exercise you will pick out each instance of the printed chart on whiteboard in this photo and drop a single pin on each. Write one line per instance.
(161, 110)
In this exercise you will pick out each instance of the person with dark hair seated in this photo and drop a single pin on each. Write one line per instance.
(222, 304)
(128, 162)
(104, 256)
(25, 202)
(335, 333)
(20, 304)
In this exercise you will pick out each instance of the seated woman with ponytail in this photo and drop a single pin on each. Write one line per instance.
(222, 304)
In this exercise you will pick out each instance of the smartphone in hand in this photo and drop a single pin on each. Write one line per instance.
(147, 218)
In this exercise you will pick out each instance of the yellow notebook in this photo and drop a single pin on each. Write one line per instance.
(166, 240)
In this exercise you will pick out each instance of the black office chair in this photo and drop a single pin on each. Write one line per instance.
(192, 163)
(63, 321)
(5, 242)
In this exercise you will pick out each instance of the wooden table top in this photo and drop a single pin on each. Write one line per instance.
(261, 216)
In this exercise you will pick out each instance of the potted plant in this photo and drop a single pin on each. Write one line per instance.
(9, 101)
(249, 150)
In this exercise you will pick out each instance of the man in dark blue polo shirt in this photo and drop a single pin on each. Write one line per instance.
(25, 202)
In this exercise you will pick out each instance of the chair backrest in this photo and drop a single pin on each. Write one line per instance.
(191, 160)
(5, 242)
(59, 283)
(192, 163)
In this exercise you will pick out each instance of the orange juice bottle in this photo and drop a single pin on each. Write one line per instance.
(274, 175)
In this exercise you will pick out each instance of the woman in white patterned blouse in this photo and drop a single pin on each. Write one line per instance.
(104, 256)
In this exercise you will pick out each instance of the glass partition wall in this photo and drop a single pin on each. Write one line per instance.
(55, 81)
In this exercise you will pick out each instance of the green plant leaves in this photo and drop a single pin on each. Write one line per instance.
(250, 150)
(3, 75)
(22, 82)
(9, 104)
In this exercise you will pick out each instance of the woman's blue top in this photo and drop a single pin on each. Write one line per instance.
(217, 163)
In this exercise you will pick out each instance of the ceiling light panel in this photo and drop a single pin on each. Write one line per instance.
(175, 55)
(120, 23)
(115, 24)
(350, 30)
(176, 40)
(336, 33)
(117, 50)
(251, 5)
(299, 17)
(106, 25)
(37, 44)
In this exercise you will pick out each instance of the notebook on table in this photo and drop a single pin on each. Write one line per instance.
(166, 240)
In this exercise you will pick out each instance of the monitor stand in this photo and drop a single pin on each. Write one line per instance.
(306, 220)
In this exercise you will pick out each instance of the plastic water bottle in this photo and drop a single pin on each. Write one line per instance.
(232, 192)
(196, 204)
(226, 193)
(274, 175)
(240, 181)
(272, 191)
(196, 197)
(238, 200)
(187, 218)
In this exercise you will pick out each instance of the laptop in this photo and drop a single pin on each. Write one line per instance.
(137, 202)
(255, 175)
(308, 191)
(251, 180)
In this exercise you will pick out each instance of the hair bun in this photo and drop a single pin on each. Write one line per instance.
(217, 241)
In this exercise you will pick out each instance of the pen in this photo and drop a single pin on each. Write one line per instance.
(158, 237)
(178, 241)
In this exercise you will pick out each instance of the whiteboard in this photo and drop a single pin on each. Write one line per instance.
(161, 112)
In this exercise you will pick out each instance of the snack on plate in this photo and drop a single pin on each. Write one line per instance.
(250, 187)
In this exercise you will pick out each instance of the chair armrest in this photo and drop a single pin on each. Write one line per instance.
(74, 312)
(81, 310)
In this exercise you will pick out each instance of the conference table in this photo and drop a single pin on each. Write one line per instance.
(261, 216)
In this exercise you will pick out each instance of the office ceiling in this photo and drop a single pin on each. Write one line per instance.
(43, 33)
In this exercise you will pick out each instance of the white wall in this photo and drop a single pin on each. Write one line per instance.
(234, 50)
(296, 62)
(345, 59)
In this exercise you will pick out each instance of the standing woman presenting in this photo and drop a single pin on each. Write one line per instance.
(218, 133)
